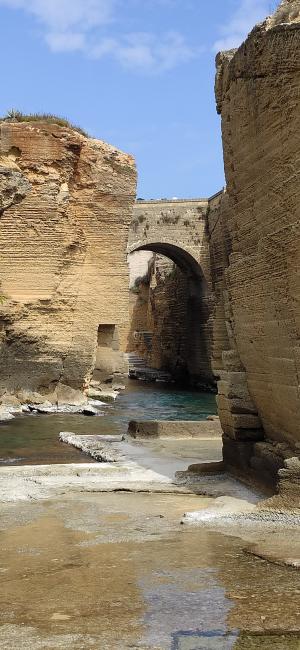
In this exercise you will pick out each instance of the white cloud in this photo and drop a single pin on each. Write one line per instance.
(64, 15)
(147, 52)
(65, 41)
(248, 13)
(91, 26)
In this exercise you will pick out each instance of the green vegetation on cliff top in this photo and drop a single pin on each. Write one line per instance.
(17, 116)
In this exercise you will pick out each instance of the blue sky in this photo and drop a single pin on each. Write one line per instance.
(136, 73)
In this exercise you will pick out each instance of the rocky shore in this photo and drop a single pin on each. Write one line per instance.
(62, 400)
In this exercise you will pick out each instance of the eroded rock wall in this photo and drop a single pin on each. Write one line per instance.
(255, 246)
(65, 206)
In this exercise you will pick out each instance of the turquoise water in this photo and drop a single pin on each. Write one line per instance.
(163, 402)
(33, 439)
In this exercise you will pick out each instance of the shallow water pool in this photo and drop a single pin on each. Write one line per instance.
(34, 439)
(119, 572)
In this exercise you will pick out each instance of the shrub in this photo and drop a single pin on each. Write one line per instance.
(169, 219)
(138, 282)
(166, 218)
(134, 289)
(134, 224)
(171, 275)
(3, 298)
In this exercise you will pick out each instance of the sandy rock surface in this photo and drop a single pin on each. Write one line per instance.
(69, 198)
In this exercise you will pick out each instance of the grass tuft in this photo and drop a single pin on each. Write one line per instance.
(17, 116)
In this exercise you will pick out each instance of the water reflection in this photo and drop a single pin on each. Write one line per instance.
(186, 599)
(117, 571)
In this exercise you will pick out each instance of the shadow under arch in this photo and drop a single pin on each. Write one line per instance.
(198, 309)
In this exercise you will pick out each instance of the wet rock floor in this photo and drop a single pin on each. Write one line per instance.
(115, 571)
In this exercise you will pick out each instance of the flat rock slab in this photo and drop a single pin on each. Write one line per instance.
(163, 455)
(175, 429)
(86, 409)
(5, 415)
(34, 482)
(279, 549)
(271, 535)
(90, 408)
(98, 447)
(218, 485)
(102, 395)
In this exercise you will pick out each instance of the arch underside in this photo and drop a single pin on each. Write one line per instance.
(194, 336)
(184, 260)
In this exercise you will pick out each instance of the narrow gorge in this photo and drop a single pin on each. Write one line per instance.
(150, 348)
(221, 304)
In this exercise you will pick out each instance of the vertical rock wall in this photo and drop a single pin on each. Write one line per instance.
(65, 206)
(255, 246)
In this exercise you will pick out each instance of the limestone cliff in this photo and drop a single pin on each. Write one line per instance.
(65, 204)
(255, 245)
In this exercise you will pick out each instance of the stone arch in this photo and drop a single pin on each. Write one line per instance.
(176, 228)
(199, 306)
(187, 263)
(177, 254)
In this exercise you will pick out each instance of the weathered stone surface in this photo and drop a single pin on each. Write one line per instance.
(289, 484)
(287, 12)
(13, 187)
(176, 228)
(102, 395)
(174, 429)
(67, 395)
(11, 401)
(30, 397)
(38, 482)
(66, 205)
(255, 241)
(207, 468)
(47, 407)
(95, 446)
(9, 407)
(5, 414)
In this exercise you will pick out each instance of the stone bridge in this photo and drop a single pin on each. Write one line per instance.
(177, 229)
(183, 311)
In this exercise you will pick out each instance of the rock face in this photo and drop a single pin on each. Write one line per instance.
(65, 204)
(255, 247)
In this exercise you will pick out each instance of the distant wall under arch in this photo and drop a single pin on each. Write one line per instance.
(180, 300)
